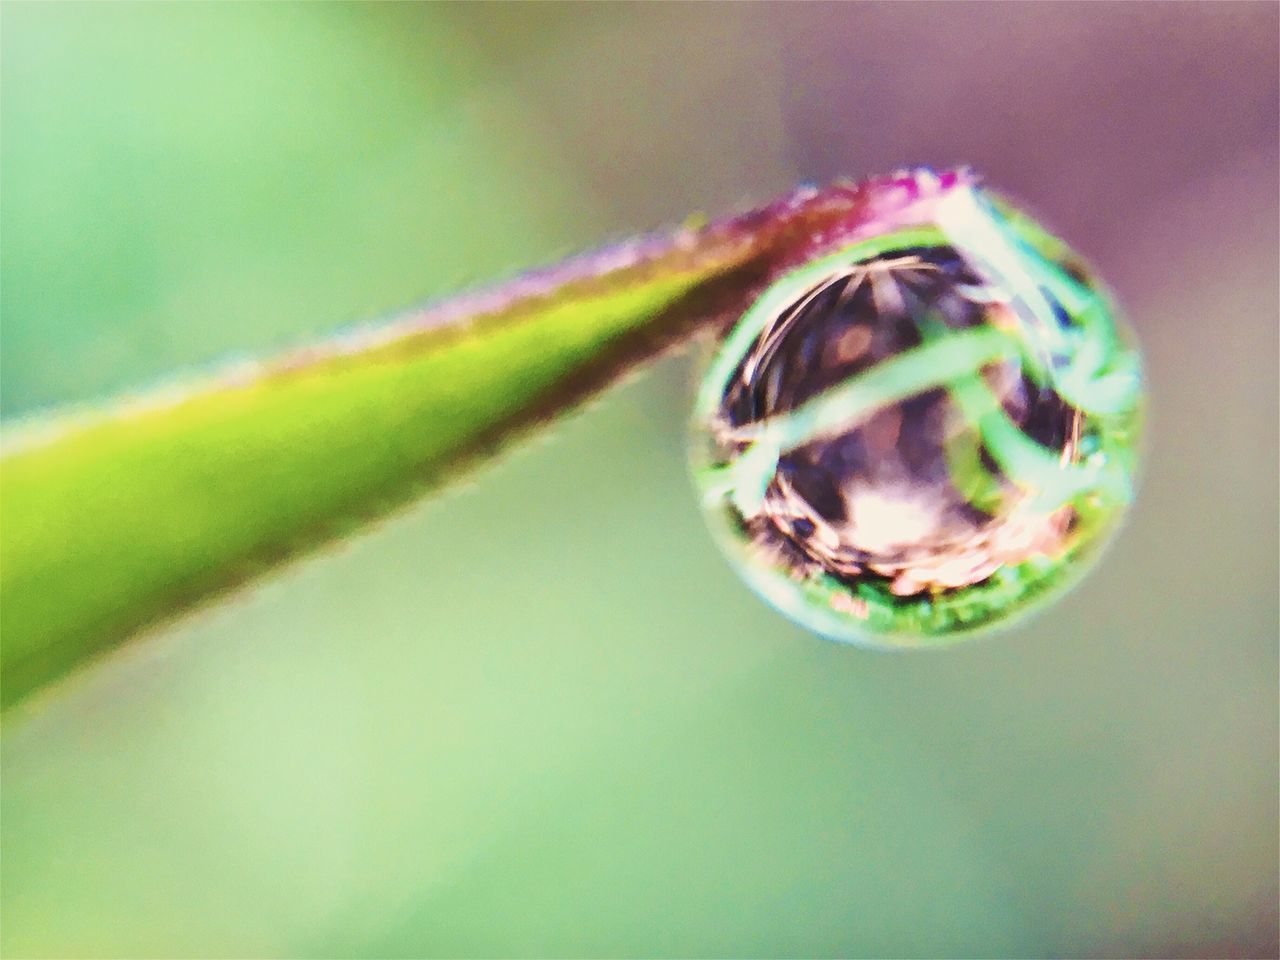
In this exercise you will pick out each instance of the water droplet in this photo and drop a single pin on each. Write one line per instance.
(927, 429)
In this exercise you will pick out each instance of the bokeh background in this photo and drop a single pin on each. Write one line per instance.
(538, 715)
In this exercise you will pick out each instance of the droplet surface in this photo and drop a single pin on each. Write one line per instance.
(927, 429)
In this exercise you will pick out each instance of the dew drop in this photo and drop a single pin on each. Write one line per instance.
(928, 429)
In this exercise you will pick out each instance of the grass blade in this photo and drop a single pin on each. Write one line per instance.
(120, 518)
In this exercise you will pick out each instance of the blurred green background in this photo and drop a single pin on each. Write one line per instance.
(539, 715)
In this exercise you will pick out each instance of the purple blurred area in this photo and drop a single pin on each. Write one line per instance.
(1096, 112)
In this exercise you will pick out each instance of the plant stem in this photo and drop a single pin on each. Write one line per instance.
(123, 517)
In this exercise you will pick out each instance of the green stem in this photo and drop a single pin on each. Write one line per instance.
(124, 517)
